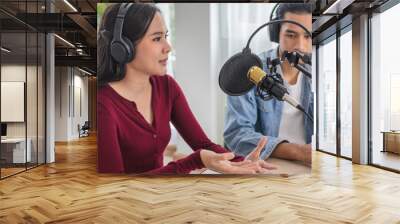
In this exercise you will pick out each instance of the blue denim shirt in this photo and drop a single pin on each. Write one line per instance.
(248, 118)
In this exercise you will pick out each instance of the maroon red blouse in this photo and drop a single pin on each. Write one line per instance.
(128, 143)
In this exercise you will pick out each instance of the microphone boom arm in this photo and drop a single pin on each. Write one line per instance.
(303, 70)
(294, 58)
(273, 22)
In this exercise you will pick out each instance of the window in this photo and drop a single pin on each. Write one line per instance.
(385, 88)
(22, 77)
(327, 96)
(346, 93)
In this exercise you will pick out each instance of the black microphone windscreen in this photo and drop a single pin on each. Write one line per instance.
(233, 75)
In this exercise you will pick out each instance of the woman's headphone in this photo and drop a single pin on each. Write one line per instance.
(122, 50)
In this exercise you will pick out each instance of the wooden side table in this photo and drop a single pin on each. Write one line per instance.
(391, 141)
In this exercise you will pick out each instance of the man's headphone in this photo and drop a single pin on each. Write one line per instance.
(121, 48)
(275, 28)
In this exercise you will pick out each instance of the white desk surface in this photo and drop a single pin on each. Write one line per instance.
(284, 168)
(13, 140)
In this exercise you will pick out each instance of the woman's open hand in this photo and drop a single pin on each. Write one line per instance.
(221, 162)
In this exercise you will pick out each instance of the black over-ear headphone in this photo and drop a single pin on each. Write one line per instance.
(274, 28)
(121, 48)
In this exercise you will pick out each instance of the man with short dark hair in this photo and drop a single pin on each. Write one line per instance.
(288, 130)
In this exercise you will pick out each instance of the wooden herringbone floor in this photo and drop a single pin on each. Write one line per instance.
(70, 191)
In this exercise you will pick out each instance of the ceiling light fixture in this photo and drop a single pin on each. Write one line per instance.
(5, 50)
(84, 71)
(64, 40)
(70, 5)
(337, 7)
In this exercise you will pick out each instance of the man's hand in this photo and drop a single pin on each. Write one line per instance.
(255, 155)
(292, 151)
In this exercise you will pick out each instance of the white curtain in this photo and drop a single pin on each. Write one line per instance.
(237, 21)
(231, 25)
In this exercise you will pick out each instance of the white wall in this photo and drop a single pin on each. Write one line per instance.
(193, 65)
(80, 83)
(67, 117)
(33, 126)
(61, 103)
(17, 73)
(14, 72)
(12, 100)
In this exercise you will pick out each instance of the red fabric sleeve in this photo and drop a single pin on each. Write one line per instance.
(182, 166)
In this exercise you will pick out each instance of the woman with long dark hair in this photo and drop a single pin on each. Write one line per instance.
(137, 101)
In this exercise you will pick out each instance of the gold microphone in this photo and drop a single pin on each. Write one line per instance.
(255, 74)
